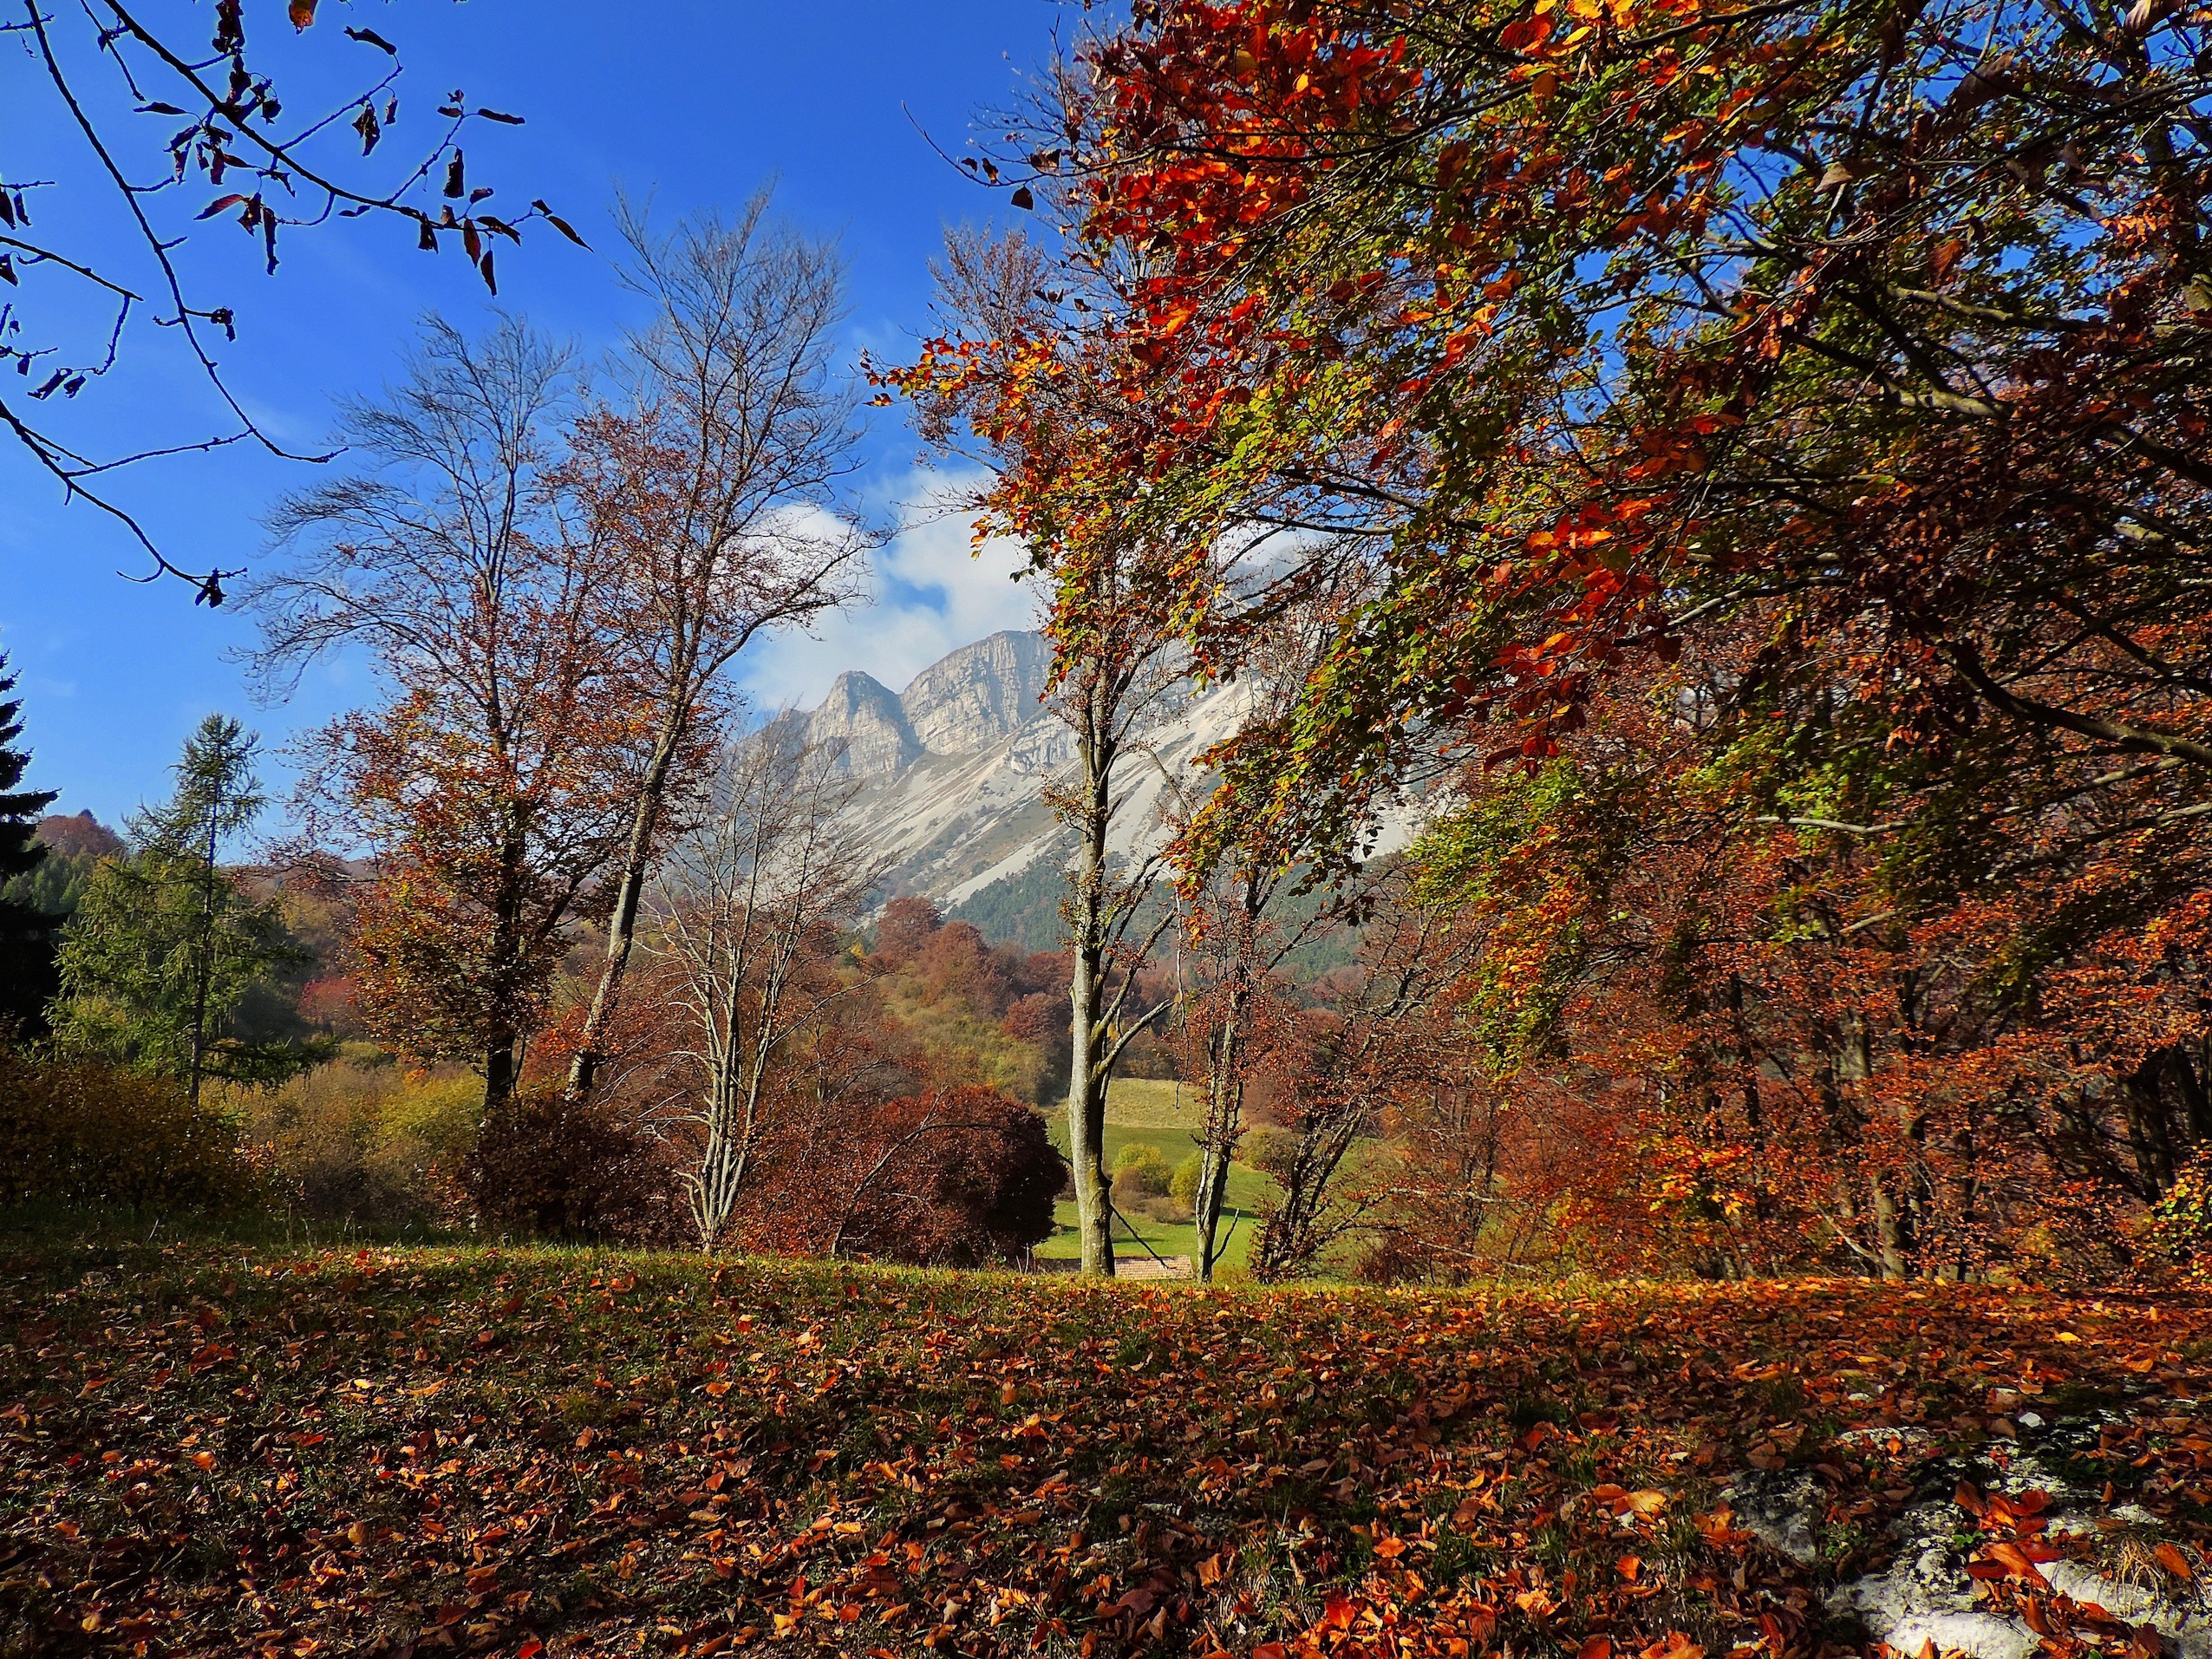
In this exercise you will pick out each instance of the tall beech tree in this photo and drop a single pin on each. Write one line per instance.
(494, 784)
(714, 494)
(1118, 663)
(1117, 669)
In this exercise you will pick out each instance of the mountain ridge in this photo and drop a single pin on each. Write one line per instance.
(953, 771)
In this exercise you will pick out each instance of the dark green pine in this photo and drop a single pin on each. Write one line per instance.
(27, 935)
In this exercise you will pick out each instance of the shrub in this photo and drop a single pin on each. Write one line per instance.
(78, 1132)
(953, 1177)
(981, 1190)
(2180, 1226)
(425, 1129)
(546, 1165)
(1183, 1187)
(361, 1141)
(1141, 1170)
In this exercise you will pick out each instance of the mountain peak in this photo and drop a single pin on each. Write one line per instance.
(862, 711)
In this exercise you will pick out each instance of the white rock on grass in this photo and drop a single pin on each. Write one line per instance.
(1779, 1507)
(1924, 1595)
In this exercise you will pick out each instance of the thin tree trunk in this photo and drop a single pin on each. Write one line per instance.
(2190, 1074)
(500, 1059)
(499, 1071)
(1086, 1109)
(629, 889)
(1213, 1187)
(1888, 1230)
(1089, 1064)
(205, 966)
(721, 1164)
(1224, 1118)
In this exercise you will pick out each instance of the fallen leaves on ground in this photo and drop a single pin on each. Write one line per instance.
(429, 1451)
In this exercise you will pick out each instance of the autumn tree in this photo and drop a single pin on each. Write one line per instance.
(903, 926)
(1528, 504)
(1117, 672)
(494, 783)
(1769, 304)
(166, 945)
(1760, 1032)
(1013, 384)
(1235, 944)
(749, 899)
(714, 494)
(1247, 908)
(211, 136)
(73, 846)
(1472, 1181)
(1786, 346)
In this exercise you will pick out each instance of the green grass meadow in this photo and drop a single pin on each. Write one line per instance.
(1148, 1111)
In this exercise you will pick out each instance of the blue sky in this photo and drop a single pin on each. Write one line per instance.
(691, 103)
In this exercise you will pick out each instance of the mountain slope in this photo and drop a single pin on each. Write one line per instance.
(954, 768)
(954, 771)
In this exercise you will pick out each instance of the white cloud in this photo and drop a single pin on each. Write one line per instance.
(930, 591)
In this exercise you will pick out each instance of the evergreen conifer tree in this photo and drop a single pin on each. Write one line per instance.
(166, 945)
(27, 934)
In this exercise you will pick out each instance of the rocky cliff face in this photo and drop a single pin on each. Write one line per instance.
(955, 767)
(861, 711)
(978, 695)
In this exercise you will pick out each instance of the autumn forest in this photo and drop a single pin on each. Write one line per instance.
(1586, 857)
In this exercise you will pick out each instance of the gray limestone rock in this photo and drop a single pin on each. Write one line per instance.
(861, 711)
(979, 695)
(1779, 1507)
(1925, 1594)
(954, 775)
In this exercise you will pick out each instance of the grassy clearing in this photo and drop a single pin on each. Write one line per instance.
(1247, 1188)
(217, 1449)
(1166, 1238)
(1146, 1111)
(1155, 1103)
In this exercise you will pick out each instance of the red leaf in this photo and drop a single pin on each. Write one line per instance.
(2016, 1563)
